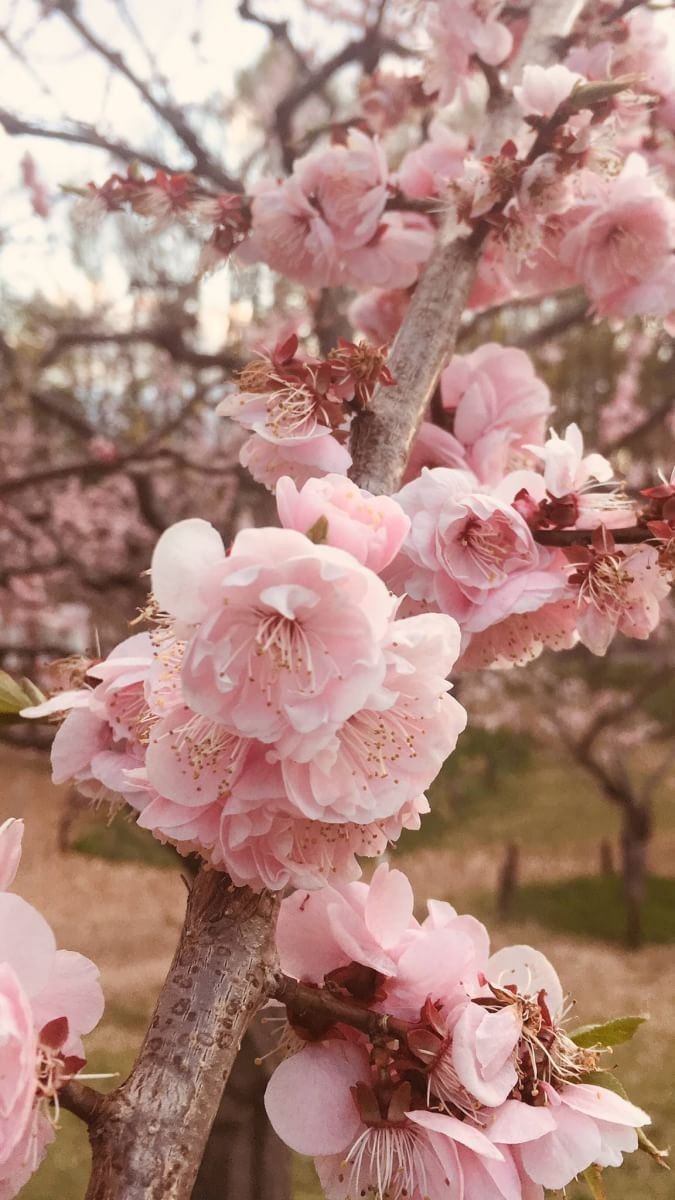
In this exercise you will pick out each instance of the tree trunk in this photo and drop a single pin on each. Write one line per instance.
(244, 1158)
(508, 879)
(148, 1137)
(636, 832)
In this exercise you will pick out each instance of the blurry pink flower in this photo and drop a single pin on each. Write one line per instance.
(544, 89)
(18, 1055)
(371, 528)
(379, 313)
(458, 29)
(394, 255)
(499, 404)
(102, 449)
(426, 170)
(11, 837)
(434, 447)
(348, 186)
(521, 637)
(302, 459)
(290, 235)
(624, 230)
(619, 591)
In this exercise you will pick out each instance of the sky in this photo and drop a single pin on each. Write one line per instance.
(198, 46)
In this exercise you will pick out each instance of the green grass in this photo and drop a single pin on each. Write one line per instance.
(593, 908)
(119, 839)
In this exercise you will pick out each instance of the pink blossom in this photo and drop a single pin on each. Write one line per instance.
(458, 29)
(624, 230)
(371, 528)
(11, 837)
(301, 459)
(581, 1124)
(394, 255)
(566, 469)
(290, 641)
(427, 170)
(434, 447)
(321, 931)
(620, 591)
(499, 405)
(320, 1103)
(544, 89)
(378, 313)
(41, 989)
(308, 226)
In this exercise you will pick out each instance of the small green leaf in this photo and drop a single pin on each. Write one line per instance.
(318, 532)
(593, 1177)
(611, 1033)
(588, 95)
(12, 698)
(32, 691)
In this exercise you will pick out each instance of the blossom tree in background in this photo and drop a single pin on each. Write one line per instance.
(285, 704)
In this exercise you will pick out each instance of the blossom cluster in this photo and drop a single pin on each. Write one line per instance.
(471, 1084)
(298, 409)
(278, 718)
(49, 998)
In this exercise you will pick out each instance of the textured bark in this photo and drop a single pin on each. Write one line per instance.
(148, 1137)
(384, 433)
(244, 1158)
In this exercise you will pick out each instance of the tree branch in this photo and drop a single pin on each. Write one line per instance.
(80, 134)
(304, 1000)
(84, 1102)
(204, 164)
(148, 1136)
(632, 535)
(384, 432)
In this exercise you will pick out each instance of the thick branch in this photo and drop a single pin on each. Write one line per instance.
(149, 1136)
(384, 433)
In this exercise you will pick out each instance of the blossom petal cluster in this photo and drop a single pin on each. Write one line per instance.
(49, 999)
(478, 492)
(279, 718)
(473, 1087)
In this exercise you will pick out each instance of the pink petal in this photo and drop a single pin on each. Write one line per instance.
(603, 1104)
(183, 560)
(26, 941)
(11, 837)
(530, 971)
(457, 1131)
(309, 1102)
(516, 1122)
(389, 907)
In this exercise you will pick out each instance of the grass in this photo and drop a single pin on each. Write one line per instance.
(119, 839)
(593, 908)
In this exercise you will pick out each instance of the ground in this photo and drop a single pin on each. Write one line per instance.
(127, 916)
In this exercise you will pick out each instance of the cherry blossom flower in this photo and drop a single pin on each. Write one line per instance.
(620, 591)
(544, 89)
(302, 458)
(623, 232)
(458, 29)
(49, 998)
(427, 170)
(499, 405)
(371, 528)
(379, 312)
(393, 257)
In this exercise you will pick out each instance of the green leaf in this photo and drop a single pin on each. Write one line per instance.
(318, 532)
(611, 1033)
(593, 1177)
(12, 698)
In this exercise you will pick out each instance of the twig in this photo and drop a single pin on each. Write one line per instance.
(84, 1102)
(303, 999)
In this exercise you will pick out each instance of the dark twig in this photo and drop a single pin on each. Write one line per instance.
(303, 999)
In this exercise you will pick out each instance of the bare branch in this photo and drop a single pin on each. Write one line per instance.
(204, 163)
(304, 1000)
(81, 134)
(81, 1100)
(632, 535)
